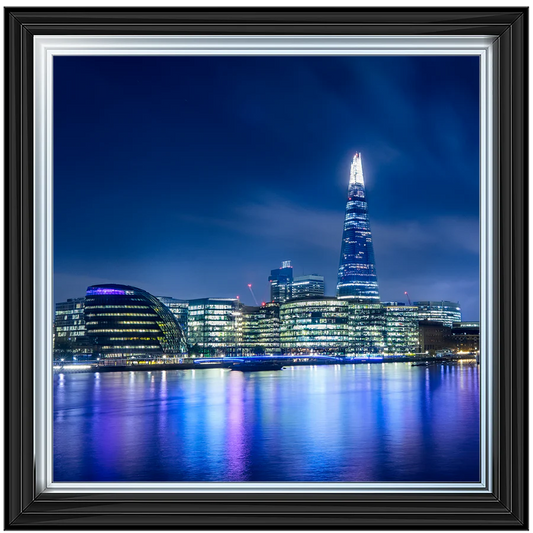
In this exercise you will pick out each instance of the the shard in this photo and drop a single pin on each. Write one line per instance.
(357, 278)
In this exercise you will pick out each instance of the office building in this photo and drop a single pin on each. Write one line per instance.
(434, 337)
(179, 308)
(319, 326)
(357, 279)
(309, 286)
(281, 283)
(214, 327)
(125, 322)
(70, 339)
(401, 328)
(261, 330)
(465, 337)
(367, 324)
(443, 312)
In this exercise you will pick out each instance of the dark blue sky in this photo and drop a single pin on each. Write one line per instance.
(194, 176)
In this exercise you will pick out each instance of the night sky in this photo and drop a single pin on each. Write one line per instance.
(194, 176)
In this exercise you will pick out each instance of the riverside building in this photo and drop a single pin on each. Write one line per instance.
(261, 330)
(440, 311)
(125, 322)
(357, 279)
(214, 327)
(434, 337)
(367, 324)
(401, 328)
(319, 326)
(70, 339)
(179, 308)
(465, 337)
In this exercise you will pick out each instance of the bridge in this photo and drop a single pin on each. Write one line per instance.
(258, 358)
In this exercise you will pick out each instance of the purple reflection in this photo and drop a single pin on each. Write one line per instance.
(236, 435)
(381, 423)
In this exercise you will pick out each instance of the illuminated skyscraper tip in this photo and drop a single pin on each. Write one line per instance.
(357, 278)
(356, 170)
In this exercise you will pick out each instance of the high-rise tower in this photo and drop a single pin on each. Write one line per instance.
(357, 278)
(281, 283)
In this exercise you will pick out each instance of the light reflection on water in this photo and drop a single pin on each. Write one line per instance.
(389, 422)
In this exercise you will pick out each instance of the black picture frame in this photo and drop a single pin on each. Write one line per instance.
(503, 508)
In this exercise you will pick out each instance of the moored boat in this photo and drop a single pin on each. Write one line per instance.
(253, 366)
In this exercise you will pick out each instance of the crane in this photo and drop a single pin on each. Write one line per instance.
(408, 299)
(255, 299)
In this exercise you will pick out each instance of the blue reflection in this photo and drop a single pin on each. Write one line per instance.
(349, 423)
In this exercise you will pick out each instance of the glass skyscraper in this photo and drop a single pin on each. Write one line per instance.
(357, 278)
(281, 283)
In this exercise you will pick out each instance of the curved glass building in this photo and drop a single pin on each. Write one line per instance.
(357, 279)
(320, 326)
(127, 322)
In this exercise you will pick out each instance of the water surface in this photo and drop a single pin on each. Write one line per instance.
(345, 423)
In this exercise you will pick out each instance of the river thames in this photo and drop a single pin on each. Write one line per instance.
(342, 423)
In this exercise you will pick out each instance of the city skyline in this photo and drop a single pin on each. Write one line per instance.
(219, 215)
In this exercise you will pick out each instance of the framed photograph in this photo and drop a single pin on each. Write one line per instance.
(266, 268)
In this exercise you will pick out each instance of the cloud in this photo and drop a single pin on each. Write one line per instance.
(276, 219)
(452, 233)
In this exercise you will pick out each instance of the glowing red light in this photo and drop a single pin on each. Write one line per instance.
(249, 284)
(263, 303)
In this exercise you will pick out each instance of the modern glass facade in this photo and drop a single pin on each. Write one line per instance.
(214, 327)
(357, 277)
(318, 326)
(129, 323)
(261, 330)
(401, 328)
(69, 329)
(439, 311)
(309, 286)
(367, 323)
(281, 283)
(179, 308)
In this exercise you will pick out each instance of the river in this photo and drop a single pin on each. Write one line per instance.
(344, 423)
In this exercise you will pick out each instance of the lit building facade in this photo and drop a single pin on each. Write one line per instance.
(261, 330)
(318, 326)
(465, 337)
(281, 283)
(309, 286)
(439, 311)
(125, 322)
(214, 327)
(401, 328)
(357, 279)
(180, 309)
(367, 324)
(70, 339)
